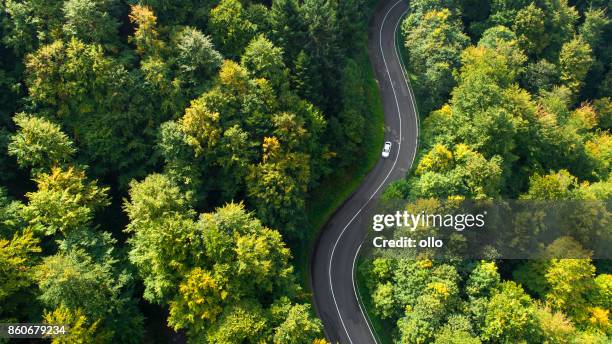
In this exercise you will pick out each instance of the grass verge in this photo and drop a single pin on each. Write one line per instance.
(382, 329)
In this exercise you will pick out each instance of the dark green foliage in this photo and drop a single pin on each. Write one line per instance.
(230, 100)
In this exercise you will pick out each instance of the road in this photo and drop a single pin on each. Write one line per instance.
(333, 259)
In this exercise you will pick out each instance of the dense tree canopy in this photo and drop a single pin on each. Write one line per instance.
(232, 109)
(524, 116)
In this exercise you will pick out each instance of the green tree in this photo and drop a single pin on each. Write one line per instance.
(298, 327)
(244, 266)
(529, 26)
(484, 280)
(383, 300)
(503, 12)
(91, 21)
(457, 330)
(464, 172)
(31, 23)
(74, 281)
(434, 46)
(99, 103)
(510, 316)
(79, 330)
(431, 308)
(493, 36)
(540, 76)
(288, 28)
(263, 60)
(166, 242)
(570, 281)
(230, 28)
(65, 201)
(323, 48)
(555, 326)
(39, 144)
(560, 21)
(553, 186)
(17, 258)
(575, 60)
(196, 58)
(595, 21)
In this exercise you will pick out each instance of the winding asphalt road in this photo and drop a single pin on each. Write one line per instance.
(333, 259)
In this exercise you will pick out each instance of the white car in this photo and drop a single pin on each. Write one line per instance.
(386, 149)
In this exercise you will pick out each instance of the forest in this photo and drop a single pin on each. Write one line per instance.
(515, 103)
(158, 159)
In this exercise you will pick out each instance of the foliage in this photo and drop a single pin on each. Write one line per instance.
(39, 144)
(433, 48)
(65, 201)
(74, 281)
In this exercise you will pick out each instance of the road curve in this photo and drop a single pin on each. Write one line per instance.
(333, 259)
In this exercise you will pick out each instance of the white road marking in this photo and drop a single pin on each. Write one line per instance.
(381, 184)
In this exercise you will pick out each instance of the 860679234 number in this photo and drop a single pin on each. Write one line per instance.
(31, 330)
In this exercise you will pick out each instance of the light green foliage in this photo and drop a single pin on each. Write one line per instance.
(433, 48)
(483, 281)
(32, 22)
(382, 298)
(599, 149)
(602, 291)
(166, 242)
(244, 265)
(230, 28)
(78, 329)
(98, 102)
(263, 60)
(439, 298)
(298, 327)
(492, 37)
(277, 194)
(570, 281)
(74, 281)
(510, 315)
(16, 273)
(39, 144)
(486, 111)
(242, 322)
(196, 58)
(575, 60)
(553, 186)
(64, 201)
(91, 21)
(595, 21)
(458, 330)
(555, 327)
(530, 28)
(463, 172)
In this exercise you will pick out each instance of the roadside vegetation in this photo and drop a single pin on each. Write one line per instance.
(517, 102)
(167, 163)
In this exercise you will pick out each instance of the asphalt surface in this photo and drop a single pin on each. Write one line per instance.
(333, 259)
